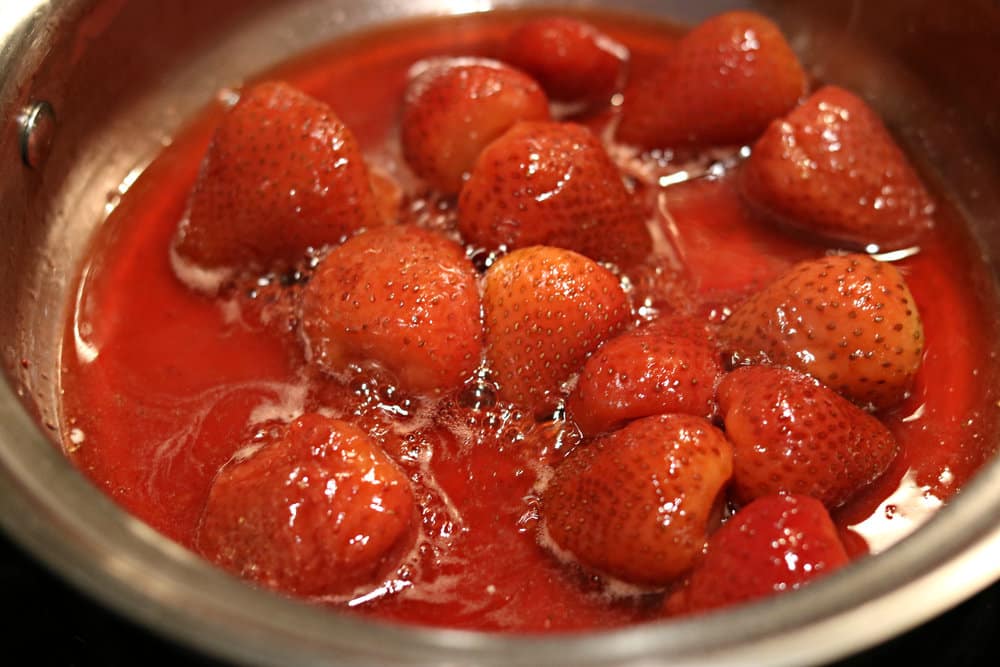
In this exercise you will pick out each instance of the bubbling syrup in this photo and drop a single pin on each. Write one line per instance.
(163, 386)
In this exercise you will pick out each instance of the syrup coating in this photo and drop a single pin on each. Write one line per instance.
(159, 400)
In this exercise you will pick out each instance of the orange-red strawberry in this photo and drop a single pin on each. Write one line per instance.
(545, 311)
(552, 184)
(636, 504)
(726, 80)
(791, 434)
(849, 321)
(665, 367)
(831, 168)
(402, 297)
(571, 59)
(318, 510)
(454, 107)
(282, 174)
(774, 544)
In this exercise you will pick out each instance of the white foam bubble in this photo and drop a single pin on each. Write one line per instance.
(198, 278)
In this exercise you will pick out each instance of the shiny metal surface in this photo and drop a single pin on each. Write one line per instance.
(123, 78)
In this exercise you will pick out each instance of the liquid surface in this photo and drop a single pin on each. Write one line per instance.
(163, 386)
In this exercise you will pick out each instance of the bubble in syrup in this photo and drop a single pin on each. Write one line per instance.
(478, 395)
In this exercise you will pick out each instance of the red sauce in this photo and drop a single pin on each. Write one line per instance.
(162, 385)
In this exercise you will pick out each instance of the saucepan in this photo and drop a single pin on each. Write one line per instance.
(90, 90)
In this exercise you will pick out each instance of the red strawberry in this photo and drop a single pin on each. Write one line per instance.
(772, 545)
(725, 81)
(572, 60)
(791, 434)
(455, 107)
(388, 195)
(552, 184)
(282, 174)
(545, 310)
(831, 168)
(849, 321)
(402, 297)
(319, 510)
(636, 503)
(668, 366)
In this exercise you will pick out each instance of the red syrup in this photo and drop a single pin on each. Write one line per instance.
(162, 386)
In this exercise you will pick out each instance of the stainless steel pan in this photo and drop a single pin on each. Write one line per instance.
(117, 77)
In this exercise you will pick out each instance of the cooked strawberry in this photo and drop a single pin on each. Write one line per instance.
(571, 59)
(831, 168)
(318, 510)
(454, 107)
(401, 297)
(665, 367)
(636, 503)
(552, 184)
(545, 311)
(791, 434)
(725, 81)
(774, 544)
(281, 175)
(388, 195)
(848, 320)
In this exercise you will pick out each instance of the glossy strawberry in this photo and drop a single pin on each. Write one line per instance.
(571, 59)
(832, 169)
(552, 184)
(774, 544)
(545, 311)
(282, 174)
(849, 321)
(318, 510)
(726, 80)
(791, 434)
(636, 503)
(455, 107)
(666, 367)
(401, 297)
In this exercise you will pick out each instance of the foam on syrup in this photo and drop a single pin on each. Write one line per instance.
(198, 278)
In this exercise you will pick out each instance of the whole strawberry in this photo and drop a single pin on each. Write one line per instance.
(791, 434)
(723, 83)
(832, 169)
(774, 544)
(636, 504)
(571, 59)
(281, 175)
(454, 107)
(545, 311)
(318, 510)
(552, 184)
(665, 367)
(401, 297)
(849, 321)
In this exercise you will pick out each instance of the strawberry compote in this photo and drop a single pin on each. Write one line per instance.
(164, 386)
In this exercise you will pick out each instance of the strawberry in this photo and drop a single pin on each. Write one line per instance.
(667, 366)
(552, 184)
(402, 297)
(791, 434)
(571, 59)
(388, 195)
(636, 504)
(832, 169)
(454, 107)
(281, 175)
(723, 83)
(545, 311)
(774, 544)
(317, 510)
(849, 321)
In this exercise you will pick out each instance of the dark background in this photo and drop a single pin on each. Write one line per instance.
(57, 626)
